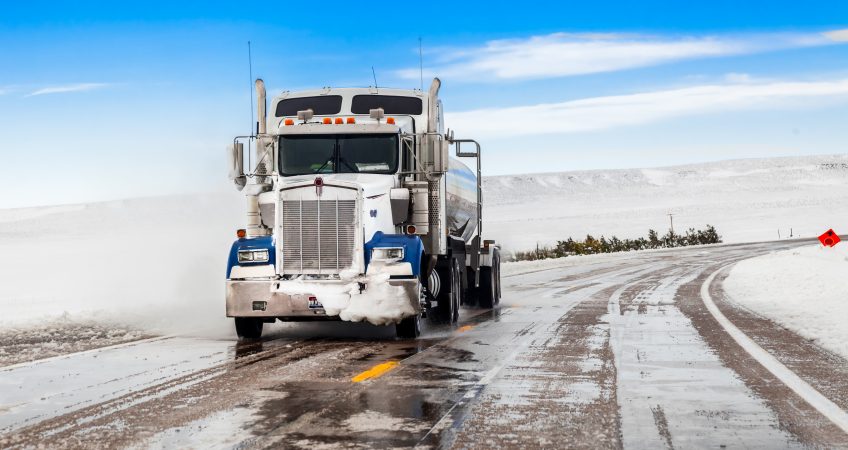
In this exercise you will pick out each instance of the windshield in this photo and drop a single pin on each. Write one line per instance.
(350, 153)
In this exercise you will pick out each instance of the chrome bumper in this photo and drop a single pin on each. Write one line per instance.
(260, 298)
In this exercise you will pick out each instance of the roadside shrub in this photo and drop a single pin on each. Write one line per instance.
(591, 245)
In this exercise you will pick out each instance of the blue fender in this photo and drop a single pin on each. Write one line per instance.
(413, 248)
(264, 242)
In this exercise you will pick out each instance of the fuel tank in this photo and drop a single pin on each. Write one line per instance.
(461, 200)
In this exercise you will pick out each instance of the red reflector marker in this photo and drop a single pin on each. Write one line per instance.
(829, 238)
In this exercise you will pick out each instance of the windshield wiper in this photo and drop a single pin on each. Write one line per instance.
(343, 161)
(318, 170)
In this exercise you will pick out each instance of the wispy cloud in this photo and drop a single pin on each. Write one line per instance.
(837, 35)
(60, 89)
(599, 113)
(565, 54)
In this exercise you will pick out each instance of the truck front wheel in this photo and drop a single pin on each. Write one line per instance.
(248, 327)
(409, 328)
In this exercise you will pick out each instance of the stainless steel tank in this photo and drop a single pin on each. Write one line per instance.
(461, 200)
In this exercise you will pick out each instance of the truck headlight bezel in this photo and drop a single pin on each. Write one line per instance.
(387, 254)
(254, 255)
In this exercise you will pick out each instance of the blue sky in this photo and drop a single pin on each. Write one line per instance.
(99, 101)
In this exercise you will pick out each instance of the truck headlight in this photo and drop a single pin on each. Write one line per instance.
(248, 256)
(387, 254)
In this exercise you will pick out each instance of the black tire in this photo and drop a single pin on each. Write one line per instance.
(447, 301)
(249, 327)
(496, 274)
(457, 288)
(470, 293)
(488, 294)
(409, 328)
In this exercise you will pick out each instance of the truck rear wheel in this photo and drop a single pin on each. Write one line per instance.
(248, 327)
(447, 302)
(409, 328)
(488, 294)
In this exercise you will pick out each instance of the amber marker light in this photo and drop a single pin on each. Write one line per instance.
(390, 120)
(327, 121)
(289, 122)
(241, 233)
(351, 120)
(339, 121)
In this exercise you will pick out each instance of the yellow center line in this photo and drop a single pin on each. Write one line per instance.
(464, 328)
(375, 371)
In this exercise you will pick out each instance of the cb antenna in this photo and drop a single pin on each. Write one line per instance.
(421, 62)
(250, 73)
(375, 78)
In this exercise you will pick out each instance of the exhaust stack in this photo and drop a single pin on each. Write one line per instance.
(264, 148)
(260, 105)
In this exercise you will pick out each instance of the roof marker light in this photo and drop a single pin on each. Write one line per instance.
(351, 120)
(339, 121)
(390, 120)
(289, 122)
(327, 121)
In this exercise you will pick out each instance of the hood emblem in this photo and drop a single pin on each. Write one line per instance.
(319, 184)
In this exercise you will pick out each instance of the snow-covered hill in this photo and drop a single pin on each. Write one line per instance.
(747, 200)
(160, 262)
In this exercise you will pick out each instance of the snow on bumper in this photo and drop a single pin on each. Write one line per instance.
(383, 301)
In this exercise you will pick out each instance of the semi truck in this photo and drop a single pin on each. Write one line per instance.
(356, 210)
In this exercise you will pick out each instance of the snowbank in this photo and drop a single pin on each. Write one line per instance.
(803, 289)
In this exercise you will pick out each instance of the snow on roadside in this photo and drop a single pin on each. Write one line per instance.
(513, 268)
(804, 289)
(59, 337)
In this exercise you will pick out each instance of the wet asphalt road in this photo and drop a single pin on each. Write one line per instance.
(620, 353)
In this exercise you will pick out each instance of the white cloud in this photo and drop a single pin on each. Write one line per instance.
(564, 54)
(837, 35)
(599, 113)
(79, 87)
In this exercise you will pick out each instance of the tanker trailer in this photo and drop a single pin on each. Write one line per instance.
(357, 212)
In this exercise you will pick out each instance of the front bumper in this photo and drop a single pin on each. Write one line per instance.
(261, 298)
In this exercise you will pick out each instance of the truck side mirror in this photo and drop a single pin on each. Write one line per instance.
(236, 157)
(437, 146)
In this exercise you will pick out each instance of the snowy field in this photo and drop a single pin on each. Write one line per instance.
(804, 289)
(746, 200)
(157, 264)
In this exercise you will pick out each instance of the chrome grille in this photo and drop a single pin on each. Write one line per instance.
(318, 235)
